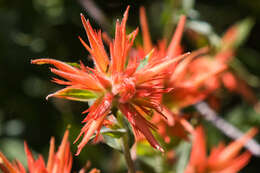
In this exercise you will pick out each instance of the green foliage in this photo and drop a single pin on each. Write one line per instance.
(183, 153)
(77, 94)
(244, 28)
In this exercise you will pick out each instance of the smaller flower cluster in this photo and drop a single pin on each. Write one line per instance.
(196, 78)
(58, 162)
(222, 158)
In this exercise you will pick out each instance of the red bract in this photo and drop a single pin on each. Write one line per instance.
(161, 50)
(196, 82)
(201, 74)
(221, 60)
(226, 54)
(59, 162)
(118, 80)
(181, 127)
(188, 81)
(222, 159)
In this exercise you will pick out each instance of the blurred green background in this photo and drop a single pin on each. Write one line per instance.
(49, 28)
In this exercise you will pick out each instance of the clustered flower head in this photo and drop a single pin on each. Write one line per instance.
(58, 162)
(222, 159)
(61, 161)
(196, 78)
(118, 80)
(148, 85)
(190, 82)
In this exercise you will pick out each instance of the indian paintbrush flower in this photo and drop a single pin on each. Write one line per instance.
(190, 78)
(118, 80)
(188, 81)
(223, 57)
(59, 162)
(222, 159)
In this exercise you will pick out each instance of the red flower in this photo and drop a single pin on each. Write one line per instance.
(194, 80)
(174, 48)
(188, 81)
(226, 54)
(118, 80)
(221, 159)
(59, 162)
(221, 59)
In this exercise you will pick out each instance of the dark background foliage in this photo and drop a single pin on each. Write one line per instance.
(49, 28)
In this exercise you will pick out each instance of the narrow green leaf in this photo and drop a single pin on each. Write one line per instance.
(112, 137)
(244, 27)
(143, 148)
(76, 94)
(113, 142)
(183, 152)
(73, 64)
(115, 133)
(144, 62)
(124, 123)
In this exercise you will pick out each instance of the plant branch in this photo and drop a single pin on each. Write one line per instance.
(127, 155)
(125, 142)
(225, 127)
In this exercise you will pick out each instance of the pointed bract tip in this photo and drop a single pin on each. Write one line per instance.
(142, 9)
(35, 61)
(127, 10)
(48, 96)
(158, 147)
(83, 19)
(26, 148)
(41, 61)
(82, 16)
(66, 135)
(78, 151)
(25, 143)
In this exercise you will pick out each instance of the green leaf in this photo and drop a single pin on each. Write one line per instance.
(144, 61)
(113, 142)
(75, 94)
(115, 133)
(112, 137)
(124, 123)
(244, 27)
(143, 148)
(183, 152)
(73, 64)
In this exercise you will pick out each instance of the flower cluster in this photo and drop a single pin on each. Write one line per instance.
(222, 158)
(118, 80)
(149, 85)
(58, 162)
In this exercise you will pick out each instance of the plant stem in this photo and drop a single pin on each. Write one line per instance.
(125, 141)
(129, 161)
